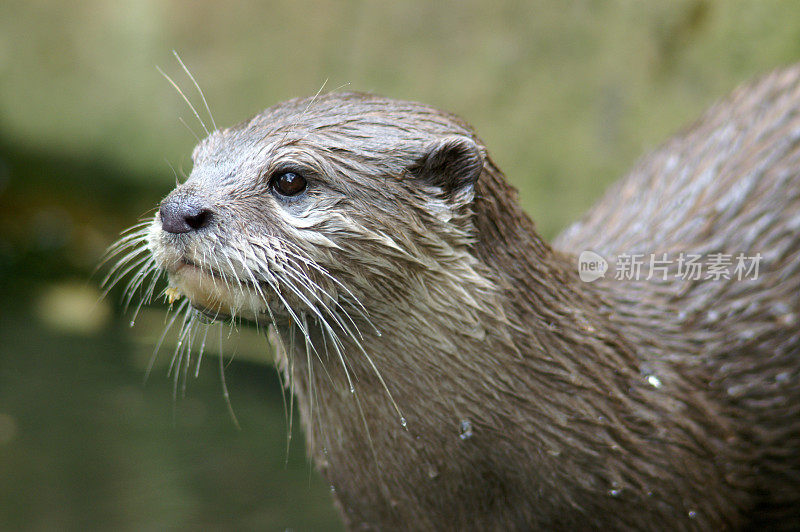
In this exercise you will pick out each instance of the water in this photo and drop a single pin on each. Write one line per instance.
(76, 419)
(466, 429)
(654, 381)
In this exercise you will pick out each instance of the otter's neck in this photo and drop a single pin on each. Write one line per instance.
(503, 380)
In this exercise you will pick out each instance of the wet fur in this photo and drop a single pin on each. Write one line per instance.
(452, 371)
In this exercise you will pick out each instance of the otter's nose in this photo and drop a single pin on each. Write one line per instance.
(182, 215)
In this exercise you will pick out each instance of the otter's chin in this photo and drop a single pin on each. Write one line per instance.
(213, 296)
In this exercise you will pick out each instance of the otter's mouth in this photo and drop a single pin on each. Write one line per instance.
(218, 295)
(185, 263)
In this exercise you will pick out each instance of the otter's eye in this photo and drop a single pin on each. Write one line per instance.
(288, 183)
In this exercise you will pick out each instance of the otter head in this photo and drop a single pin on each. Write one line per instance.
(341, 202)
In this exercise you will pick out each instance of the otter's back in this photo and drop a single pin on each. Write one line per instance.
(727, 186)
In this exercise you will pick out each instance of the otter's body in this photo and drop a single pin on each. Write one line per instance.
(451, 369)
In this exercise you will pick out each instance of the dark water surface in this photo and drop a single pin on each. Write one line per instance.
(84, 444)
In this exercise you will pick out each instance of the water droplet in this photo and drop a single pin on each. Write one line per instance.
(333, 488)
(747, 334)
(615, 492)
(352, 389)
(783, 377)
(432, 472)
(403, 422)
(736, 390)
(779, 308)
(692, 514)
(133, 322)
(654, 381)
(466, 429)
(713, 315)
(378, 333)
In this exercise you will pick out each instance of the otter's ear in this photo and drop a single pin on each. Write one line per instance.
(451, 163)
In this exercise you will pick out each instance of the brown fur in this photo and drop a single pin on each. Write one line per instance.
(491, 388)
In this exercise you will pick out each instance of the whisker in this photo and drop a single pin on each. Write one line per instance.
(371, 444)
(195, 135)
(147, 296)
(175, 85)
(327, 330)
(311, 389)
(197, 86)
(360, 348)
(284, 385)
(187, 349)
(174, 172)
(126, 240)
(291, 276)
(124, 267)
(288, 307)
(359, 307)
(175, 314)
(202, 349)
(274, 146)
(138, 278)
(147, 293)
(171, 370)
(139, 245)
(224, 384)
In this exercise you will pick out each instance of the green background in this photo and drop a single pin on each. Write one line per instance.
(566, 95)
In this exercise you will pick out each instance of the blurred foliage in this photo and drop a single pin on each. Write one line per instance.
(565, 94)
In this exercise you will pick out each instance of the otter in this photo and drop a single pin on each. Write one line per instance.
(453, 370)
